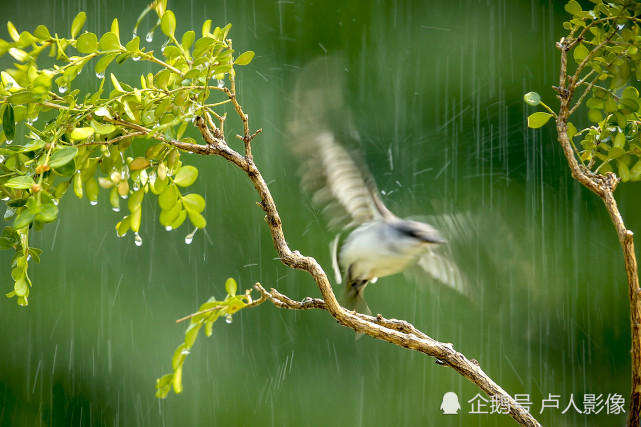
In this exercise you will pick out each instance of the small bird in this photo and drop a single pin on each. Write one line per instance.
(379, 243)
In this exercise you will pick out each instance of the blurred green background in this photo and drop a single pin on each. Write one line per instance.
(436, 89)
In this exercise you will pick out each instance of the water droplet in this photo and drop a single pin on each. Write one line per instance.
(32, 120)
(134, 34)
(190, 237)
(185, 352)
(135, 187)
(164, 45)
(115, 209)
(100, 75)
(169, 228)
(136, 58)
(138, 240)
(221, 83)
(228, 318)
(29, 257)
(8, 141)
(93, 202)
(149, 37)
(125, 196)
(62, 89)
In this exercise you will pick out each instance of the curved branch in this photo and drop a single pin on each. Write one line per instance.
(397, 332)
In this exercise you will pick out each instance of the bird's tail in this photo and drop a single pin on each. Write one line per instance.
(352, 297)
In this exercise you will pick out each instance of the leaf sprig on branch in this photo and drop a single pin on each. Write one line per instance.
(54, 137)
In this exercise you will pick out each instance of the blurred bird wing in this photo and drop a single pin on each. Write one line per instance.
(440, 263)
(442, 268)
(323, 138)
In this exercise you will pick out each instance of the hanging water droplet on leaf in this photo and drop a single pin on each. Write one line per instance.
(138, 240)
(190, 237)
(62, 89)
(149, 37)
(100, 75)
(228, 318)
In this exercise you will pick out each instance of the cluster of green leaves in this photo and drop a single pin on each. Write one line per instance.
(607, 53)
(206, 315)
(53, 137)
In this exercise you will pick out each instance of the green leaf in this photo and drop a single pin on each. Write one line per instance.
(87, 43)
(580, 52)
(609, 105)
(188, 39)
(573, 7)
(135, 200)
(115, 28)
(9, 123)
(194, 202)
(168, 198)
(246, 57)
(186, 176)
(21, 288)
(197, 219)
(48, 213)
(532, 98)
(595, 116)
(20, 182)
(168, 23)
(116, 84)
(62, 156)
(77, 23)
(104, 62)
(163, 385)
(231, 287)
(133, 45)
(82, 133)
(123, 226)
(102, 128)
(42, 33)
(23, 219)
(616, 152)
(630, 92)
(134, 219)
(109, 41)
(538, 119)
(13, 33)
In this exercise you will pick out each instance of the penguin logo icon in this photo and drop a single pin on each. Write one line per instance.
(450, 405)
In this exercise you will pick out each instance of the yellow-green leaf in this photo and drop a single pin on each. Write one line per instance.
(82, 133)
(231, 287)
(186, 176)
(77, 23)
(116, 83)
(197, 219)
(87, 43)
(194, 202)
(13, 33)
(109, 41)
(168, 23)
(244, 58)
(538, 119)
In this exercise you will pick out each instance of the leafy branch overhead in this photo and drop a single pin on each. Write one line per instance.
(606, 48)
(123, 138)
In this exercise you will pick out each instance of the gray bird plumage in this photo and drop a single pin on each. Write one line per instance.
(379, 243)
